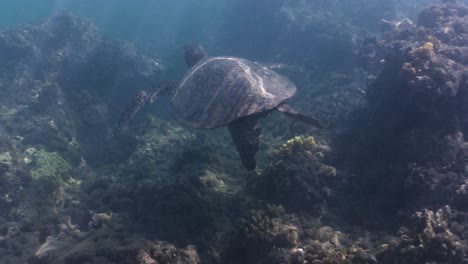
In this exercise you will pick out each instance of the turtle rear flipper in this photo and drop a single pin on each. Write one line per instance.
(245, 133)
(291, 112)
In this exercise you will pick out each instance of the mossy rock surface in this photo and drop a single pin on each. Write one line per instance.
(50, 169)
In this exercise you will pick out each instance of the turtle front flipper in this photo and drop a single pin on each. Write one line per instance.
(245, 133)
(144, 97)
(137, 103)
(291, 112)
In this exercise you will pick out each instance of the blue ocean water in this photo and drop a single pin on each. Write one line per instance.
(161, 23)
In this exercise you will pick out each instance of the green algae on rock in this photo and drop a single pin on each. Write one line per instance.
(50, 169)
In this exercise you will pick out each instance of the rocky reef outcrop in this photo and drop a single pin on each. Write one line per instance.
(58, 83)
(271, 235)
(297, 176)
(412, 135)
(404, 155)
(432, 237)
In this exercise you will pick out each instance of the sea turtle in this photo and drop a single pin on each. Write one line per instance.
(225, 91)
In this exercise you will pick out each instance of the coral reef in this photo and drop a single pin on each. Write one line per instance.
(264, 227)
(73, 190)
(178, 185)
(261, 233)
(50, 170)
(408, 144)
(423, 70)
(58, 82)
(297, 176)
(270, 235)
(433, 237)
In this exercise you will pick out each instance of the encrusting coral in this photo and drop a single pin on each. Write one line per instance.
(433, 237)
(297, 175)
(270, 235)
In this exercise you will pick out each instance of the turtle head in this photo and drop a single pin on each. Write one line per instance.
(193, 54)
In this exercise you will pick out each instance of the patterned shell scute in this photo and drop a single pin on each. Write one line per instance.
(218, 90)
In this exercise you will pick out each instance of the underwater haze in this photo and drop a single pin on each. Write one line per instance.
(234, 132)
